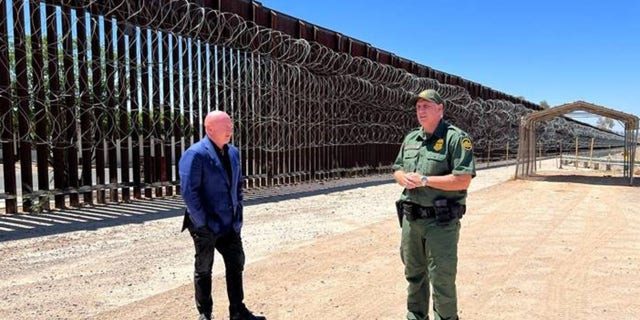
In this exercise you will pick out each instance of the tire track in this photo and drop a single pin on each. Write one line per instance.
(534, 225)
(567, 299)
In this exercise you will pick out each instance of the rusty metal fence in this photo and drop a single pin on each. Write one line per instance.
(98, 100)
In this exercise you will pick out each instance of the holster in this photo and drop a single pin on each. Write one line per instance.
(399, 211)
(409, 210)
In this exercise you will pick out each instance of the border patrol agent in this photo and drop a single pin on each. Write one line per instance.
(435, 166)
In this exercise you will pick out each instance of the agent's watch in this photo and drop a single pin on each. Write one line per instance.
(424, 180)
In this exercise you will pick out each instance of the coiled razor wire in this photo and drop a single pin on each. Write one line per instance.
(172, 61)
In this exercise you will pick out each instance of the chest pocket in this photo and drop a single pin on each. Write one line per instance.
(410, 158)
(435, 163)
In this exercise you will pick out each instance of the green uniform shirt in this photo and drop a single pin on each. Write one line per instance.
(447, 150)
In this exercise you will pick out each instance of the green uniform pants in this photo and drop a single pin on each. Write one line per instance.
(430, 255)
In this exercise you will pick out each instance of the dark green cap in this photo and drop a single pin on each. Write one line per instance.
(430, 95)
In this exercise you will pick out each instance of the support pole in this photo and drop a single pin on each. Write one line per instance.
(560, 167)
(507, 156)
(576, 156)
(591, 153)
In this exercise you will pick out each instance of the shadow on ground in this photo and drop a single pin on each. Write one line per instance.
(605, 180)
(24, 226)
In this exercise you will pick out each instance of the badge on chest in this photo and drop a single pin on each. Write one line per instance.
(438, 145)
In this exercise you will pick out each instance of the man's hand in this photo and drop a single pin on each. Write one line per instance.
(412, 180)
(408, 180)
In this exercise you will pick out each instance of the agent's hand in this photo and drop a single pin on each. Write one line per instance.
(412, 180)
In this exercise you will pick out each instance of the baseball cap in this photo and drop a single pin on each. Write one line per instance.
(428, 94)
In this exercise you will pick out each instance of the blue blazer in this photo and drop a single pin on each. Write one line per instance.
(211, 198)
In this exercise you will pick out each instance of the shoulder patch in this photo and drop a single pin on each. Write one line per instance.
(466, 144)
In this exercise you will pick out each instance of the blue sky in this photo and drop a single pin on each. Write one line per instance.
(557, 51)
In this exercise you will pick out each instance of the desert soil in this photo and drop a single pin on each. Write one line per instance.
(564, 245)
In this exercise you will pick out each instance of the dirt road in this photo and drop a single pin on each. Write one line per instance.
(561, 247)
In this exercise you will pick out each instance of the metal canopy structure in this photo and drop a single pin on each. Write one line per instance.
(525, 165)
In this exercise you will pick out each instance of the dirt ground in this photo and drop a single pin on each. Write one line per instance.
(564, 245)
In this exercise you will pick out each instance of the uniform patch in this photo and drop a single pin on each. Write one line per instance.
(438, 145)
(466, 144)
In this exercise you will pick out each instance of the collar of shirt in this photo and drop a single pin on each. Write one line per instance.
(437, 134)
(221, 152)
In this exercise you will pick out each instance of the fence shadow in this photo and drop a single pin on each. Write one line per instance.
(24, 226)
(605, 180)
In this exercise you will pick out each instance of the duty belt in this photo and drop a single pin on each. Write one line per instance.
(421, 212)
(424, 212)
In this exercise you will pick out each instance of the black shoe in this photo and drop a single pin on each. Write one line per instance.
(242, 313)
(204, 316)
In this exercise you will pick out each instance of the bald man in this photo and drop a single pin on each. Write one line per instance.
(211, 186)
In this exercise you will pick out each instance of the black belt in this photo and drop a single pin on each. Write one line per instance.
(424, 212)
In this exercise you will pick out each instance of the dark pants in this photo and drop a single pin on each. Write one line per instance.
(230, 247)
